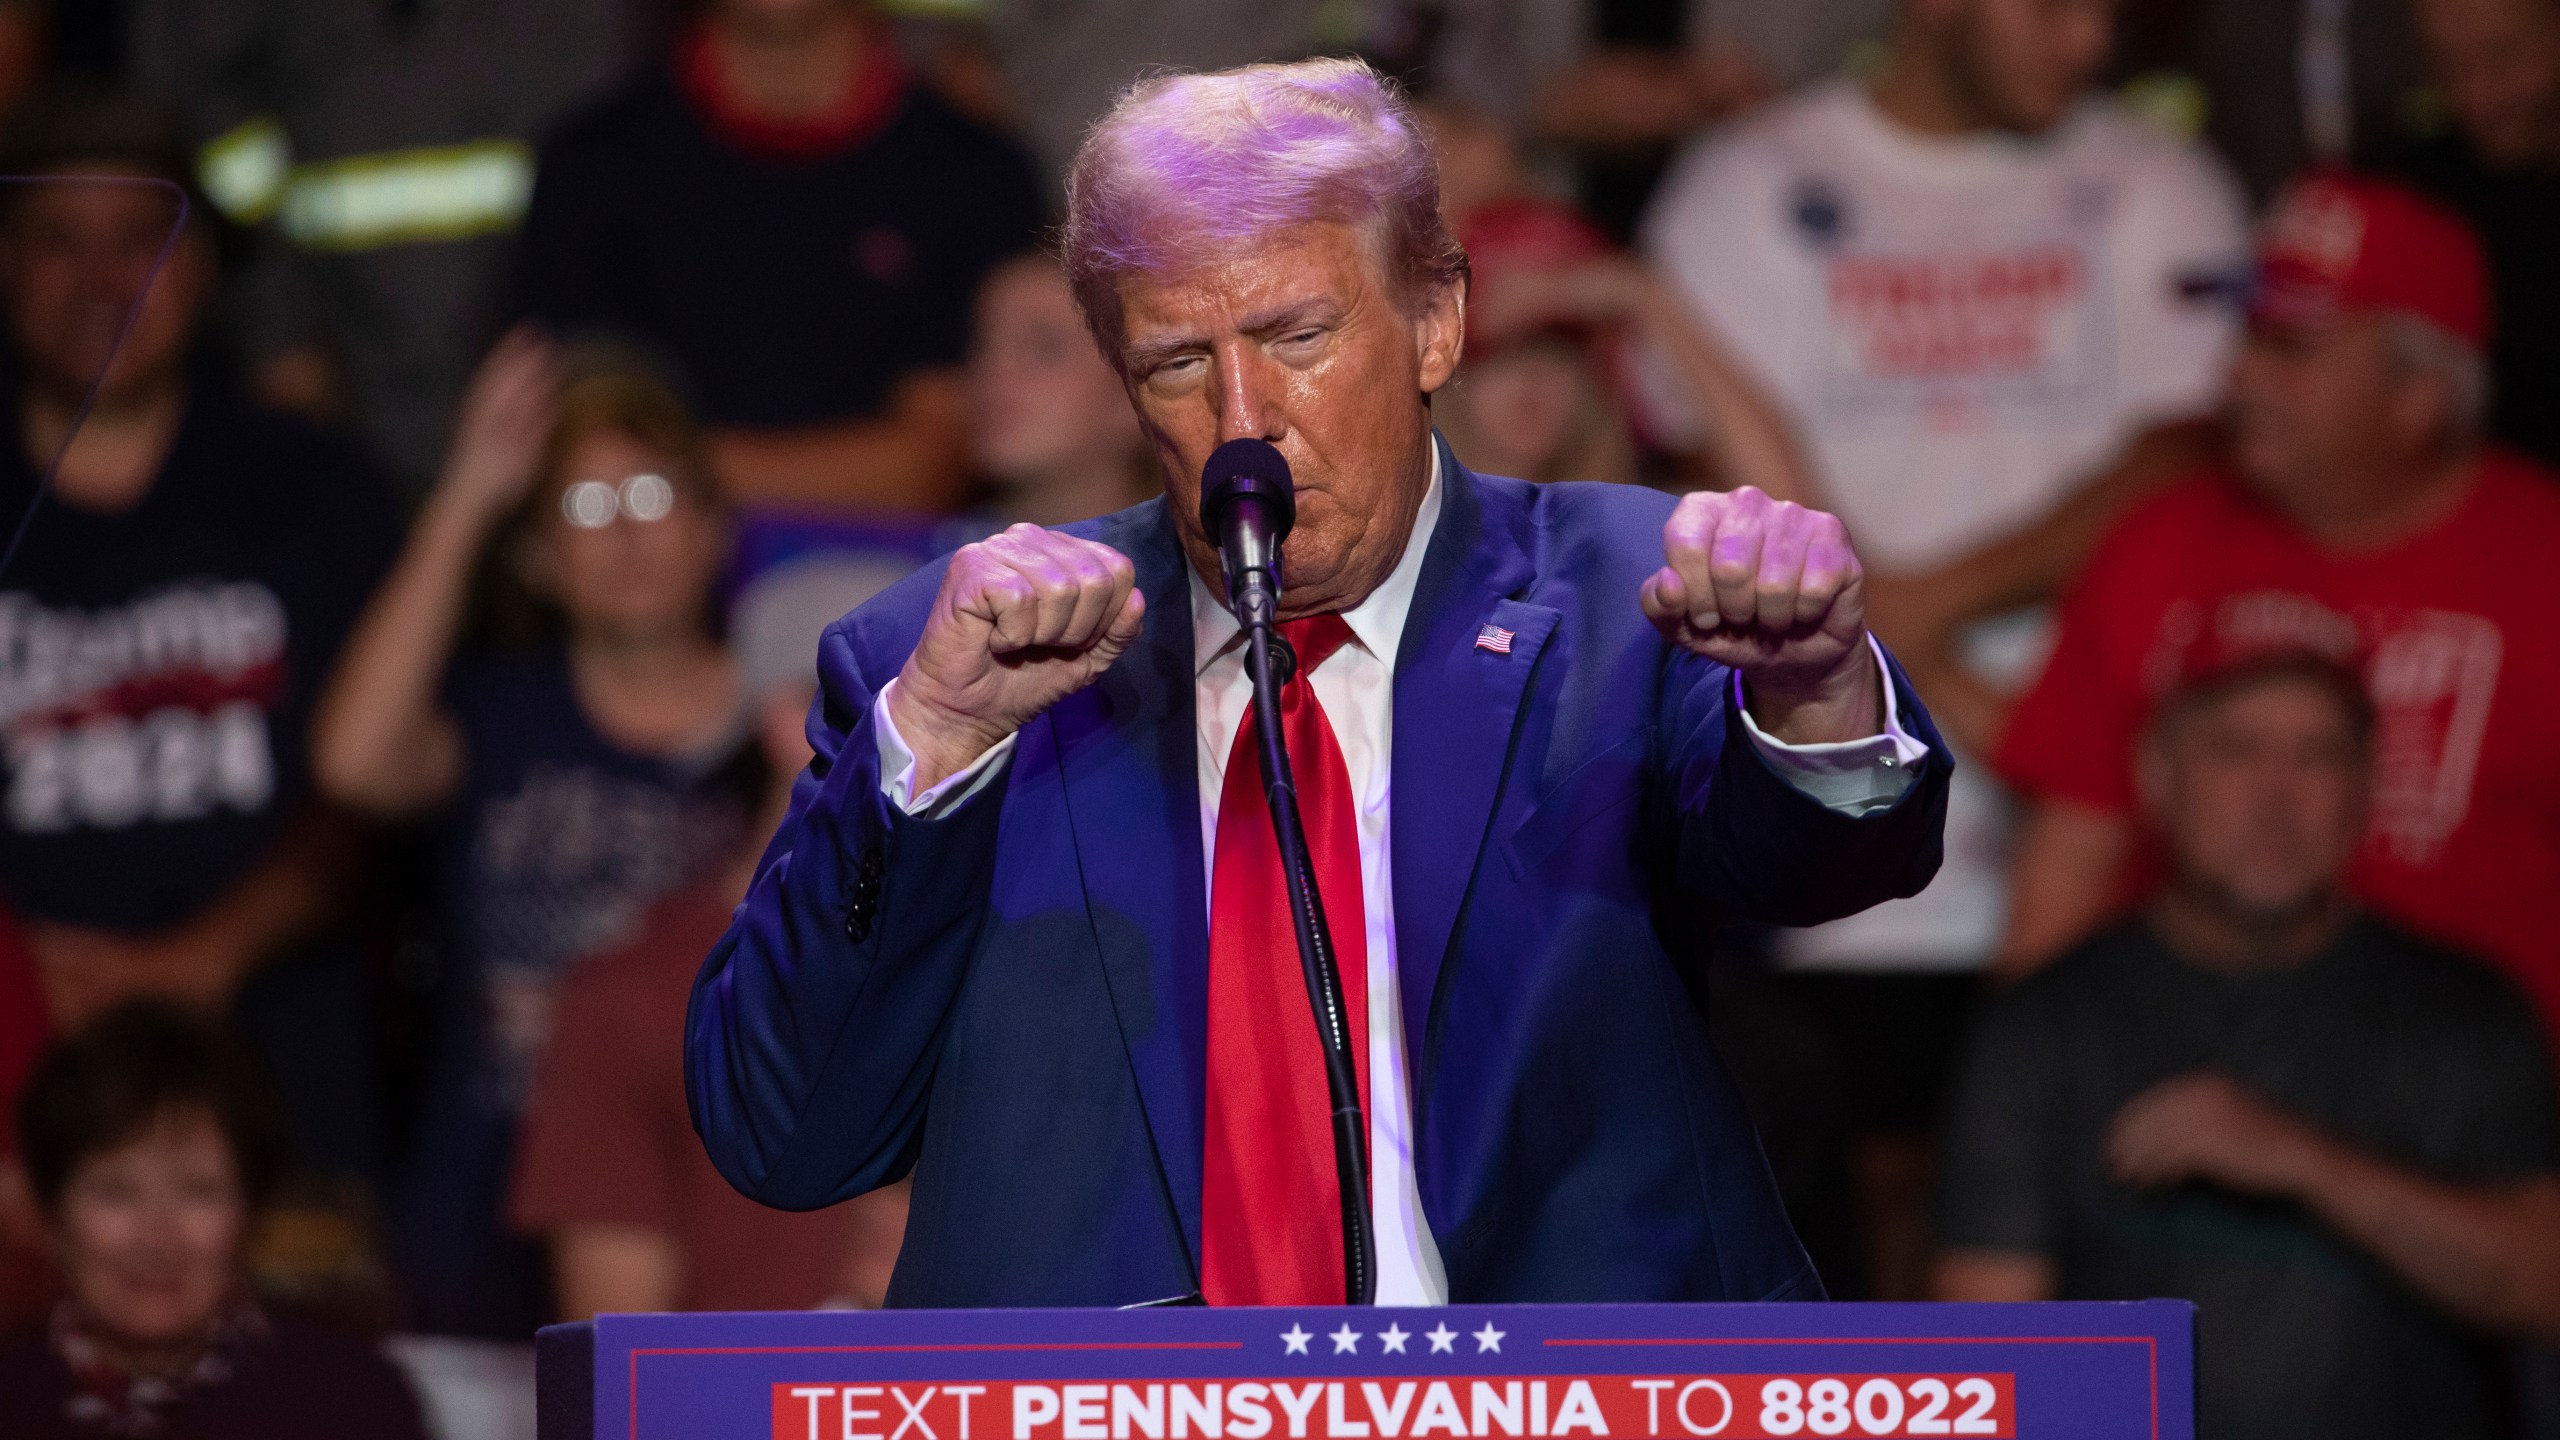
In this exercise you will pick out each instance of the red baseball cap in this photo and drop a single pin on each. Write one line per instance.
(2340, 242)
(1525, 234)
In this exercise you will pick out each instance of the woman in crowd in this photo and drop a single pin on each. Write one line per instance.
(575, 779)
(1537, 397)
(151, 1141)
(1051, 434)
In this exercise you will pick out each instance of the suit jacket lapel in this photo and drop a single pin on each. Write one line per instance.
(1129, 775)
(1456, 704)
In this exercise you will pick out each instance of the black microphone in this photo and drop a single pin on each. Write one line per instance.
(1247, 504)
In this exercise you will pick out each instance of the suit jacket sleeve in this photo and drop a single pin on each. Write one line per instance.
(1753, 847)
(815, 1022)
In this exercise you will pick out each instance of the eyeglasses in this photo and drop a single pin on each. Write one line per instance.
(593, 504)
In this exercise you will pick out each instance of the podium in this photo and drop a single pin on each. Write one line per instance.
(1467, 1372)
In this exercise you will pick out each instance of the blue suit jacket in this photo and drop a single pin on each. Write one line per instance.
(1011, 1001)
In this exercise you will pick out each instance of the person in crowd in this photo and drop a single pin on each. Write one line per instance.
(575, 777)
(1990, 297)
(380, 155)
(1050, 430)
(182, 586)
(609, 1171)
(2498, 62)
(1536, 397)
(1990, 300)
(151, 1144)
(2361, 515)
(799, 229)
(1553, 311)
(2335, 1137)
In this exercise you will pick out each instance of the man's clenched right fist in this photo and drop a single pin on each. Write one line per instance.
(1025, 619)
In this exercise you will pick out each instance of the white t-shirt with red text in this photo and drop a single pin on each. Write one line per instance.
(1964, 331)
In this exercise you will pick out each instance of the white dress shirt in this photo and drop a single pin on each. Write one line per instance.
(1356, 686)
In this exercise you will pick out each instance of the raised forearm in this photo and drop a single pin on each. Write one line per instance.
(372, 735)
(2490, 1253)
(380, 743)
(2036, 562)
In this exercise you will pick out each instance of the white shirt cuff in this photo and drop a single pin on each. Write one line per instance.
(898, 768)
(1850, 776)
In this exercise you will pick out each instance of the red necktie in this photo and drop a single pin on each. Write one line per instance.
(1270, 1211)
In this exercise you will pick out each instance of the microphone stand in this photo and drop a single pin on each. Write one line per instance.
(1269, 661)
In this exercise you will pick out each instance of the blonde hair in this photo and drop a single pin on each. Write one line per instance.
(605, 389)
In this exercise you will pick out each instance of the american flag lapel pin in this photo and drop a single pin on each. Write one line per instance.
(1494, 638)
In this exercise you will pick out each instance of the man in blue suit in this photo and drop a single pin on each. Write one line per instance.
(1018, 935)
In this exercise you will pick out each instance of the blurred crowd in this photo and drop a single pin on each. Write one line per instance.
(443, 428)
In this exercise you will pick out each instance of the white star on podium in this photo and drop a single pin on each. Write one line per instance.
(1346, 1341)
(1488, 1339)
(1443, 1341)
(1393, 1338)
(1296, 1338)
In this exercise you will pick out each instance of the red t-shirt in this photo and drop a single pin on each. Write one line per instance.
(607, 1139)
(2457, 631)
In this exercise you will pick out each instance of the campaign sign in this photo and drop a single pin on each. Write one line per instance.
(1468, 1372)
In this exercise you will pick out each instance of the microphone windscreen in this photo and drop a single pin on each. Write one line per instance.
(1242, 468)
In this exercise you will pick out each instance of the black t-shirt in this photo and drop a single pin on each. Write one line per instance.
(2408, 1052)
(790, 292)
(158, 667)
(557, 844)
(2518, 217)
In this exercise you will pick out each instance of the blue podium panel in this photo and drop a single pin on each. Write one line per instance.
(1548, 1372)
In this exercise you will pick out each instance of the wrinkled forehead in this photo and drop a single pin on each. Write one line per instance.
(1319, 273)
